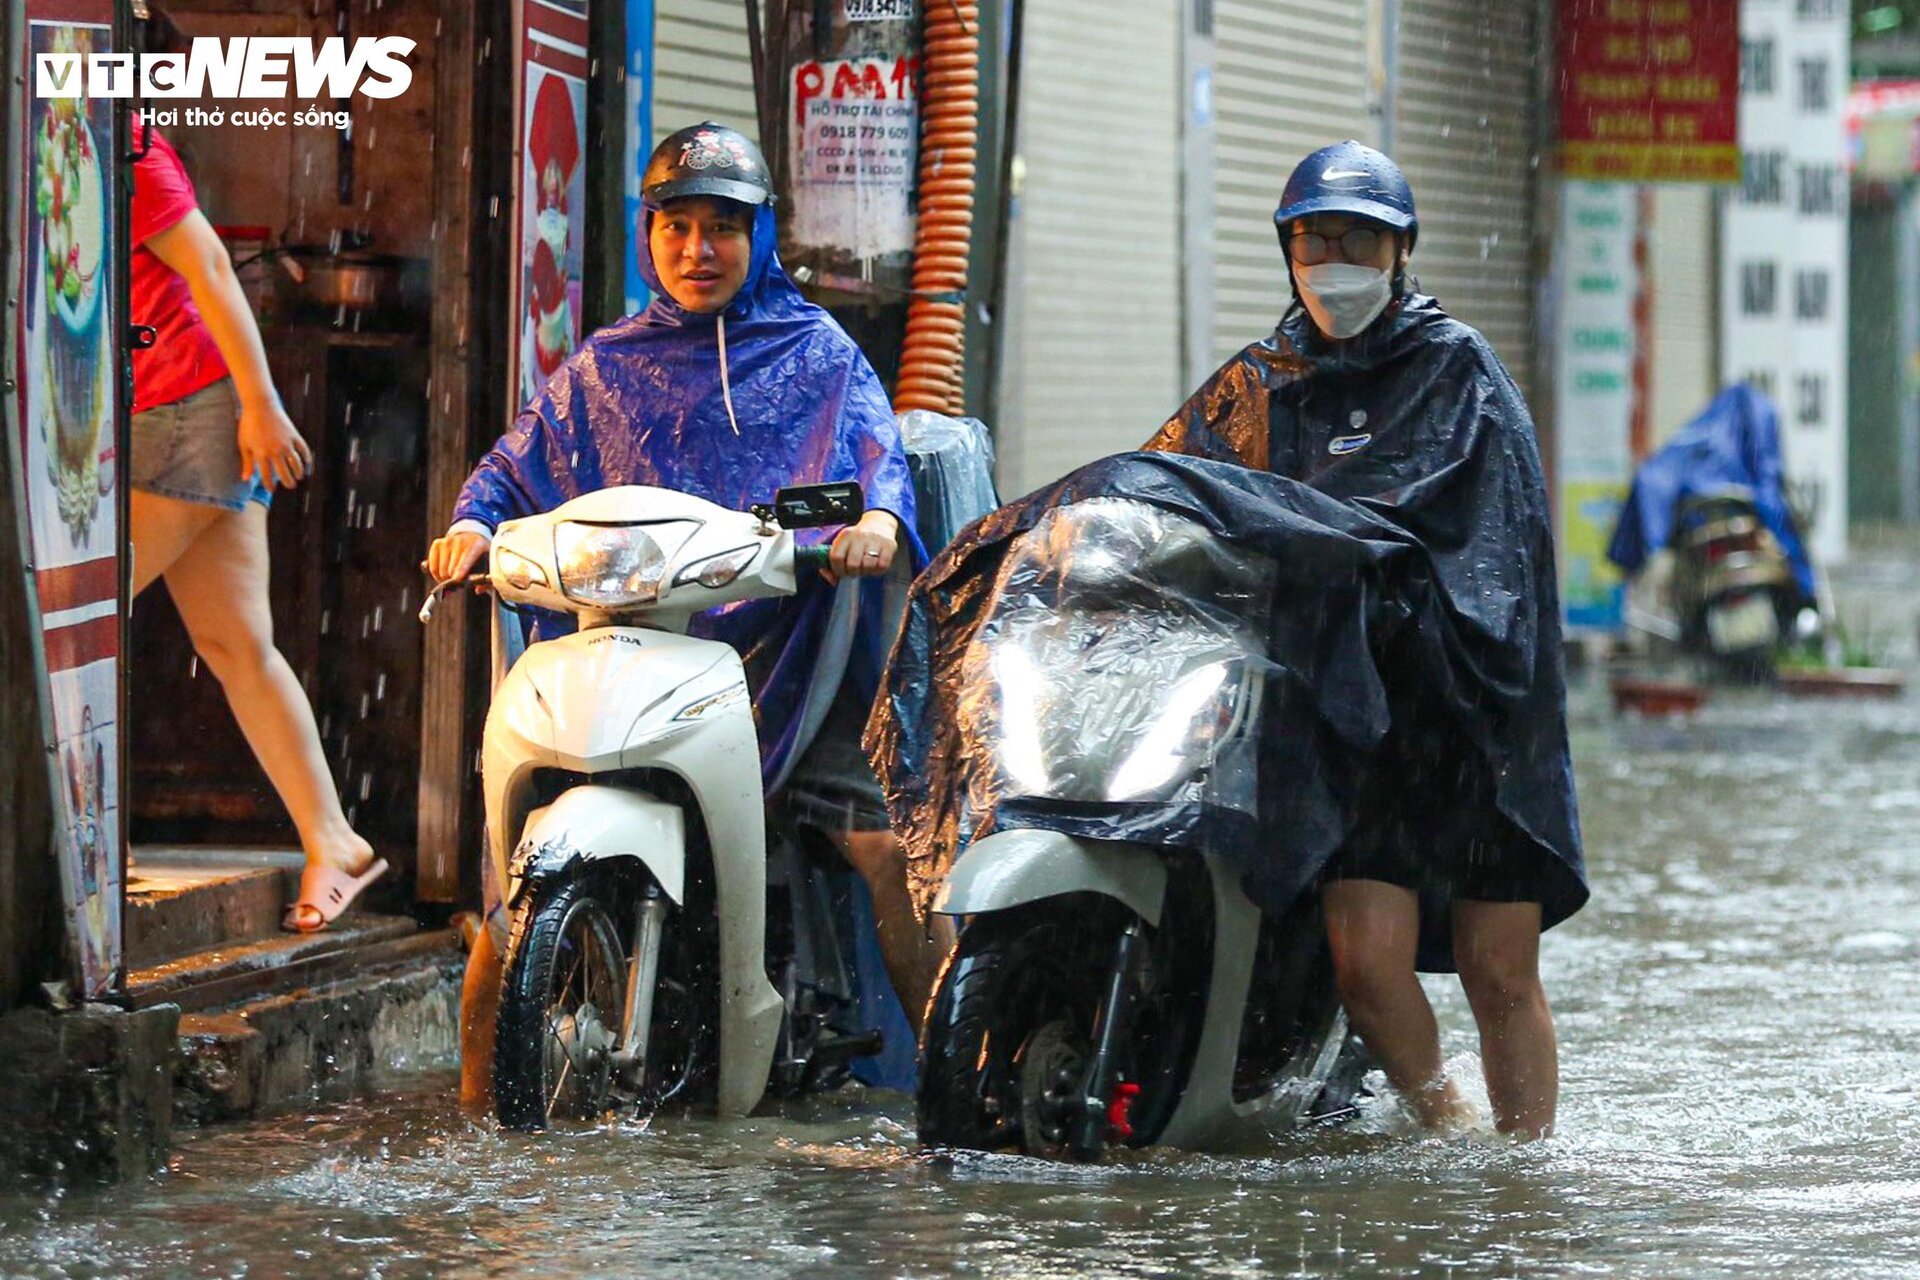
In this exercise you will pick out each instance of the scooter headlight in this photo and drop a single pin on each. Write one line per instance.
(608, 566)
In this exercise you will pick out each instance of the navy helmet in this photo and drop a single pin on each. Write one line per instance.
(1349, 177)
(707, 159)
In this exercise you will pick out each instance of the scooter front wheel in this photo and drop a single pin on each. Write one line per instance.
(562, 1004)
(1011, 1027)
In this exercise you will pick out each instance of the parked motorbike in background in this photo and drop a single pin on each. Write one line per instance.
(1732, 589)
(1107, 993)
(626, 823)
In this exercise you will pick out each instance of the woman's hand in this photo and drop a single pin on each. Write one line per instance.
(866, 549)
(271, 447)
(454, 555)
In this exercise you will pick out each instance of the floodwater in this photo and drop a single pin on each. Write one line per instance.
(1740, 1037)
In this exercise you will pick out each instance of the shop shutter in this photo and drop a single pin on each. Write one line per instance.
(1463, 131)
(1680, 263)
(1290, 76)
(701, 68)
(1092, 349)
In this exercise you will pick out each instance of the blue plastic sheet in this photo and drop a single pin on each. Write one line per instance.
(642, 402)
(1734, 444)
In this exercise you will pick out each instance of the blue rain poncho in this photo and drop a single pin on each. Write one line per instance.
(644, 401)
(1734, 444)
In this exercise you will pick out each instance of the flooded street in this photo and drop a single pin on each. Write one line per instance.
(1741, 1096)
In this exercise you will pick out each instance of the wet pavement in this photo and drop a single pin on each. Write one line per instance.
(1741, 1097)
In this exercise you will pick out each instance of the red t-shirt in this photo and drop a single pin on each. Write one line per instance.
(183, 358)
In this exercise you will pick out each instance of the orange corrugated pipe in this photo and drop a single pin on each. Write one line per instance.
(931, 359)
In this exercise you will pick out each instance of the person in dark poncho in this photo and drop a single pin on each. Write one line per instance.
(1370, 394)
(729, 386)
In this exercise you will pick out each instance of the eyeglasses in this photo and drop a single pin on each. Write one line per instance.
(1357, 244)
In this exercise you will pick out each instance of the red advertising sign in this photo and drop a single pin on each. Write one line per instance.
(1650, 90)
(550, 228)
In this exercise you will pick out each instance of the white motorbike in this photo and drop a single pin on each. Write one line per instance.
(625, 818)
(1107, 992)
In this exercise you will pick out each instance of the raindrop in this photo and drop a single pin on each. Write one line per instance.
(365, 627)
(493, 207)
(378, 613)
(326, 620)
(326, 725)
(373, 509)
(193, 667)
(365, 703)
(353, 450)
(406, 599)
(380, 687)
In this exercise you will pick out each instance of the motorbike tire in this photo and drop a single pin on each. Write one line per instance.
(1013, 976)
(557, 921)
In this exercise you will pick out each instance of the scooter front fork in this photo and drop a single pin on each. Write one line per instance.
(1088, 1134)
(643, 975)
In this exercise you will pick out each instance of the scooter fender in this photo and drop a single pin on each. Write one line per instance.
(1011, 868)
(592, 823)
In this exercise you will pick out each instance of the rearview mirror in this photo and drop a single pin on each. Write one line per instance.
(814, 506)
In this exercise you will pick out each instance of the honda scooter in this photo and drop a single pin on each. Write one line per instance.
(626, 825)
(1107, 993)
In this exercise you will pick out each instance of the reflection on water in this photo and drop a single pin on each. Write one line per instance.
(1741, 1096)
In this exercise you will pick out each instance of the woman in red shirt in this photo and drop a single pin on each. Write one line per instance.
(210, 442)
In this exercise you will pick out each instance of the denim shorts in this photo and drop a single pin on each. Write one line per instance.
(832, 786)
(190, 450)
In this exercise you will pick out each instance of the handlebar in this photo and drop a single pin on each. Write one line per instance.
(479, 581)
(817, 558)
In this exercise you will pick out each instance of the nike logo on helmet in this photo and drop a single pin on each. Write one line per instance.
(1334, 175)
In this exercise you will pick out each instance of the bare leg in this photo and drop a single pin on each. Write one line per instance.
(914, 950)
(479, 1013)
(161, 529)
(219, 584)
(1373, 928)
(1497, 945)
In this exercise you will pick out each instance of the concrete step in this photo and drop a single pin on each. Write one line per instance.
(185, 900)
(324, 1043)
(281, 963)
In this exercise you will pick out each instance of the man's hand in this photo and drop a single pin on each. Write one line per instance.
(271, 446)
(866, 549)
(454, 555)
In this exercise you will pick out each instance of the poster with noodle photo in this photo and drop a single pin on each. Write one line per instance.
(68, 471)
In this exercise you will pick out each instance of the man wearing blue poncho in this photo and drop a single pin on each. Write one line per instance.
(731, 386)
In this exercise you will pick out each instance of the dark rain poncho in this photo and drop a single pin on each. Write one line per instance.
(1394, 484)
(642, 402)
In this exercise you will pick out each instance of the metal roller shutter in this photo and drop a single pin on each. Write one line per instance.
(1463, 131)
(1681, 261)
(701, 68)
(1289, 77)
(1093, 307)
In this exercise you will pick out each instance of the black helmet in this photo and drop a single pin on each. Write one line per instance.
(707, 159)
(1349, 177)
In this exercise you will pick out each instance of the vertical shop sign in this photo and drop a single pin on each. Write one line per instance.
(854, 136)
(1593, 382)
(68, 470)
(1649, 90)
(639, 140)
(552, 188)
(1783, 265)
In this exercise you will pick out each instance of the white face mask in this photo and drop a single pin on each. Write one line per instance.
(1342, 297)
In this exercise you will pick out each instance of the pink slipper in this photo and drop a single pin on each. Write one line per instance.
(326, 891)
